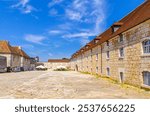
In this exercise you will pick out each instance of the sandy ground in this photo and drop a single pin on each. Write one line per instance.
(69, 84)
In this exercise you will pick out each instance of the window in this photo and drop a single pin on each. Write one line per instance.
(108, 71)
(96, 69)
(121, 52)
(91, 51)
(121, 38)
(121, 77)
(107, 43)
(108, 55)
(146, 78)
(146, 46)
(96, 56)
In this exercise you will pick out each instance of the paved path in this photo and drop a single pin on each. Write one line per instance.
(69, 84)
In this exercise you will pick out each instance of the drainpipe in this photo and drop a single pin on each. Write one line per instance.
(101, 60)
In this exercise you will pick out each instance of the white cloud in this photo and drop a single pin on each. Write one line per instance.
(87, 12)
(78, 35)
(77, 10)
(54, 2)
(35, 38)
(84, 41)
(99, 13)
(65, 26)
(73, 15)
(24, 7)
(55, 32)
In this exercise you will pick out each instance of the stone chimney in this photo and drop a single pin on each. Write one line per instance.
(19, 47)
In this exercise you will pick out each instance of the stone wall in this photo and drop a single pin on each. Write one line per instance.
(54, 65)
(8, 57)
(131, 65)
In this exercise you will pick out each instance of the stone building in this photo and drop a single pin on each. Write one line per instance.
(55, 63)
(122, 52)
(17, 59)
(3, 64)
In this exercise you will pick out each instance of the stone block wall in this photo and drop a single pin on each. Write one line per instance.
(131, 65)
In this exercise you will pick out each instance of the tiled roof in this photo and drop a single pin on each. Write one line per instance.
(58, 60)
(139, 15)
(6, 48)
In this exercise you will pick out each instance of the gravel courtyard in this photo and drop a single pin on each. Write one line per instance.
(69, 84)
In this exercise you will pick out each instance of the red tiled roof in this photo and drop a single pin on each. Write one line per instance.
(139, 15)
(6, 48)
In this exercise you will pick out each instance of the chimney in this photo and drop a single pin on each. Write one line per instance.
(19, 47)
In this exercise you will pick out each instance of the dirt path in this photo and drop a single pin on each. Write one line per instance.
(53, 84)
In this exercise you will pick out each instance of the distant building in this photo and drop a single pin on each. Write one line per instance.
(54, 63)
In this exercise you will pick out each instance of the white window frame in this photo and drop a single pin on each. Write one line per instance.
(107, 54)
(97, 69)
(121, 38)
(97, 57)
(108, 71)
(121, 78)
(146, 78)
(121, 55)
(146, 48)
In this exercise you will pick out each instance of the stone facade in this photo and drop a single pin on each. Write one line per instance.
(17, 59)
(55, 65)
(104, 59)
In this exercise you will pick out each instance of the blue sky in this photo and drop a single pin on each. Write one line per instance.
(58, 28)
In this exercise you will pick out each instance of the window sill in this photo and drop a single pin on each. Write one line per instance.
(121, 58)
(145, 55)
(107, 58)
(145, 87)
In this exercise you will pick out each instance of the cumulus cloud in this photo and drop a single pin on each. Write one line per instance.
(35, 38)
(87, 12)
(78, 13)
(24, 6)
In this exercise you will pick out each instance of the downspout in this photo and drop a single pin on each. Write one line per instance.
(101, 60)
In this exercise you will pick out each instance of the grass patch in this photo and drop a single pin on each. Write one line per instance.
(114, 81)
(61, 69)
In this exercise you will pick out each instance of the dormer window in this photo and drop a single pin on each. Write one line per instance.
(116, 26)
(87, 46)
(96, 41)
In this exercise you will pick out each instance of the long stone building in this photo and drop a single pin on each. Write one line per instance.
(122, 52)
(17, 59)
(56, 63)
